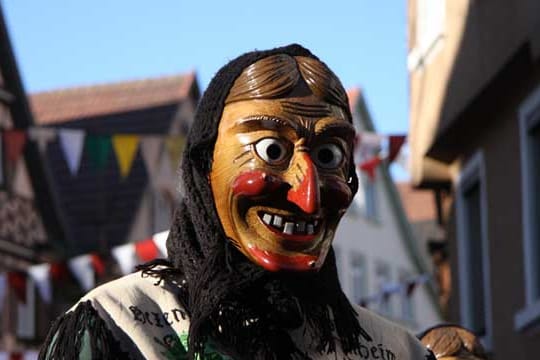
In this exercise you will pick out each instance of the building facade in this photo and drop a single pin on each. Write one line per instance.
(474, 72)
(376, 250)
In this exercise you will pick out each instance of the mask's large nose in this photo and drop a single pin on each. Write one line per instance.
(304, 182)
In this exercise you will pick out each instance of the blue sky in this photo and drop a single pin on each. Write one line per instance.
(62, 43)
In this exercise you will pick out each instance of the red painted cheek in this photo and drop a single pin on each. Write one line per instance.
(254, 183)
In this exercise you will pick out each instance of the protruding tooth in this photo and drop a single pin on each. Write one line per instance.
(310, 229)
(289, 228)
(301, 227)
(267, 218)
(278, 221)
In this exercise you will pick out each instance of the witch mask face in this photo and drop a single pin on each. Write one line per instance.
(279, 178)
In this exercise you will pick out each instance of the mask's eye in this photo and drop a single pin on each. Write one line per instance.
(271, 150)
(327, 156)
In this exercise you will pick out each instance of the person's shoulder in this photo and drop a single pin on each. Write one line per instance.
(389, 338)
(134, 288)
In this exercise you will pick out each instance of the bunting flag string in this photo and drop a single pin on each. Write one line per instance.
(406, 287)
(83, 267)
(371, 149)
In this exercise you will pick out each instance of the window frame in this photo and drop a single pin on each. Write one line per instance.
(529, 119)
(473, 172)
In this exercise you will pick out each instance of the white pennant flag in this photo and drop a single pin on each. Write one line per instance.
(72, 142)
(3, 287)
(160, 239)
(81, 267)
(151, 147)
(42, 137)
(125, 257)
(41, 276)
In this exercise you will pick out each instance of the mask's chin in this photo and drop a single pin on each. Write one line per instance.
(282, 240)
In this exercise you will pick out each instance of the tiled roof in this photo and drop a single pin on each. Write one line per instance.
(353, 94)
(419, 204)
(76, 103)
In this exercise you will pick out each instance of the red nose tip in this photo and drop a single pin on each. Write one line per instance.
(305, 193)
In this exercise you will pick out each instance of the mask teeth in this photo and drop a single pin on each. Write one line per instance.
(290, 227)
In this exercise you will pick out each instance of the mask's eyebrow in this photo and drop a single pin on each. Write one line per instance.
(340, 129)
(264, 122)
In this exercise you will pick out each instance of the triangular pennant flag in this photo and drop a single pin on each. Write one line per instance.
(81, 267)
(71, 142)
(3, 288)
(14, 141)
(395, 144)
(41, 276)
(42, 137)
(125, 148)
(98, 147)
(151, 147)
(174, 146)
(98, 264)
(21, 181)
(160, 239)
(370, 166)
(59, 271)
(16, 356)
(125, 257)
(146, 250)
(17, 282)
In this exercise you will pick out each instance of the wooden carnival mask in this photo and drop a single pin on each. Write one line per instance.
(279, 173)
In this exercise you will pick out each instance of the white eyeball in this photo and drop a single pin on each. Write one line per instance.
(327, 156)
(271, 150)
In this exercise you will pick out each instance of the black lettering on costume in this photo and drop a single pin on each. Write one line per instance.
(390, 355)
(364, 352)
(157, 319)
(166, 317)
(381, 351)
(374, 352)
(147, 317)
(178, 311)
(137, 314)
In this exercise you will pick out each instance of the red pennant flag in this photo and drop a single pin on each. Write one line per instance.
(14, 141)
(59, 271)
(370, 166)
(16, 356)
(395, 144)
(17, 281)
(98, 264)
(146, 250)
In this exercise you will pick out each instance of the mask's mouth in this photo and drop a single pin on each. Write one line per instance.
(291, 227)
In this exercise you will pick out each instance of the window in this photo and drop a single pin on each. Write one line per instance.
(428, 35)
(383, 280)
(530, 173)
(473, 249)
(407, 299)
(359, 277)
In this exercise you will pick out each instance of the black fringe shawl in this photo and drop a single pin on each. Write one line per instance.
(245, 311)
(67, 336)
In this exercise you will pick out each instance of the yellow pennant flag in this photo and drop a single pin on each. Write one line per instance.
(174, 145)
(125, 148)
